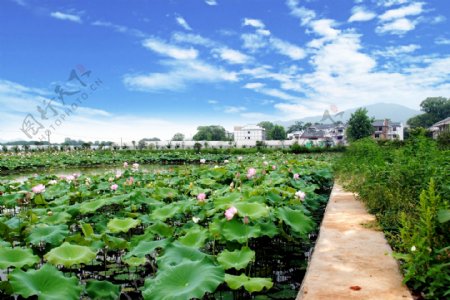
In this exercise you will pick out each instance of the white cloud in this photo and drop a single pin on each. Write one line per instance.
(305, 15)
(211, 2)
(442, 41)
(388, 3)
(253, 42)
(182, 22)
(181, 74)
(234, 109)
(398, 13)
(288, 49)
(398, 26)
(324, 27)
(254, 85)
(232, 56)
(213, 101)
(120, 28)
(170, 50)
(394, 51)
(278, 94)
(361, 14)
(257, 116)
(254, 23)
(66, 17)
(194, 39)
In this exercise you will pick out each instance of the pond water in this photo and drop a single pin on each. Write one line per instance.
(21, 176)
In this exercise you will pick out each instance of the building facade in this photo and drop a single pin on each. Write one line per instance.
(387, 130)
(248, 133)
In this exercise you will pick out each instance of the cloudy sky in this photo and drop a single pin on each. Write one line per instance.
(150, 68)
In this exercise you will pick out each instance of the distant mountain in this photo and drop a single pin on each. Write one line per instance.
(395, 112)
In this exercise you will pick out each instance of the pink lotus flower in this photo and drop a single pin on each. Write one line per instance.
(130, 181)
(239, 158)
(125, 165)
(76, 175)
(246, 220)
(296, 176)
(118, 174)
(251, 173)
(202, 161)
(69, 178)
(300, 195)
(229, 213)
(135, 166)
(201, 197)
(274, 167)
(53, 181)
(114, 187)
(226, 161)
(265, 163)
(40, 188)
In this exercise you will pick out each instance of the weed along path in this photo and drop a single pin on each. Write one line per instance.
(351, 260)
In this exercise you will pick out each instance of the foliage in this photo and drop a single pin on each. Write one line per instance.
(359, 125)
(298, 126)
(210, 133)
(178, 137)
(389, 178)
(278, 133)
(268, 126)
(154, 228)
(435, 109)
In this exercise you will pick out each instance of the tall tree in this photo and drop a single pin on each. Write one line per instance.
(178, 137)
(359, 125)
(268, 126)
(297, 126)
(210, 133)
(434, 108)
(278, 133)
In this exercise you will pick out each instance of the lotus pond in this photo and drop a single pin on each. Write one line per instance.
(241, 228)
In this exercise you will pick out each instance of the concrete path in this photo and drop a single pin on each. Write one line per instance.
(351, 261)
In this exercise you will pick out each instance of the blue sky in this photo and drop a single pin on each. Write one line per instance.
(168, 66)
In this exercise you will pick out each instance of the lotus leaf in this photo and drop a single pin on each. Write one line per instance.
(235, 230)
(122, 225)
(135, 261)
(176, 253)
(238, 259)
(69, 255)
(165, 212)
(50, 234)
(146, 247)
(189, 279)
(47, 283)
(102, 290)
(194, 237)
(17, 257)
(297, 220)
(255, 284)
(252, 210)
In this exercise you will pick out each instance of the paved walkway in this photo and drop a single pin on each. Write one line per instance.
(351, 261)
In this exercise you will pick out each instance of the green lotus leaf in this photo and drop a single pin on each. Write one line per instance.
(161, 229)
(268, 228)
(47, 283)
(252, 210)
(17, 257)
(194, 237)
(208, 182)
(297, 220)
(146, 247)
(69, 255)
(102, 290)
(176, 253)
(57, 218)
(114, 242)
(53, 234)
(238, 259)
(235, 230)
(255, 284)
(190, 279)
(162, 193)
(135, 261)
(92, 206)
(165, 212)
(227, 201)
(122, 225)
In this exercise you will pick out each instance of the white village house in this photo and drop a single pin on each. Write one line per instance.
(441, 126)
(249, 134)
(387, 130)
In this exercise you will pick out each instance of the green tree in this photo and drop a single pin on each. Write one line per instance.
(359, 125)
(278, 133)
(297, 126)
(210, 133)
(178, 137)
(268, 126)
(434, 108)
